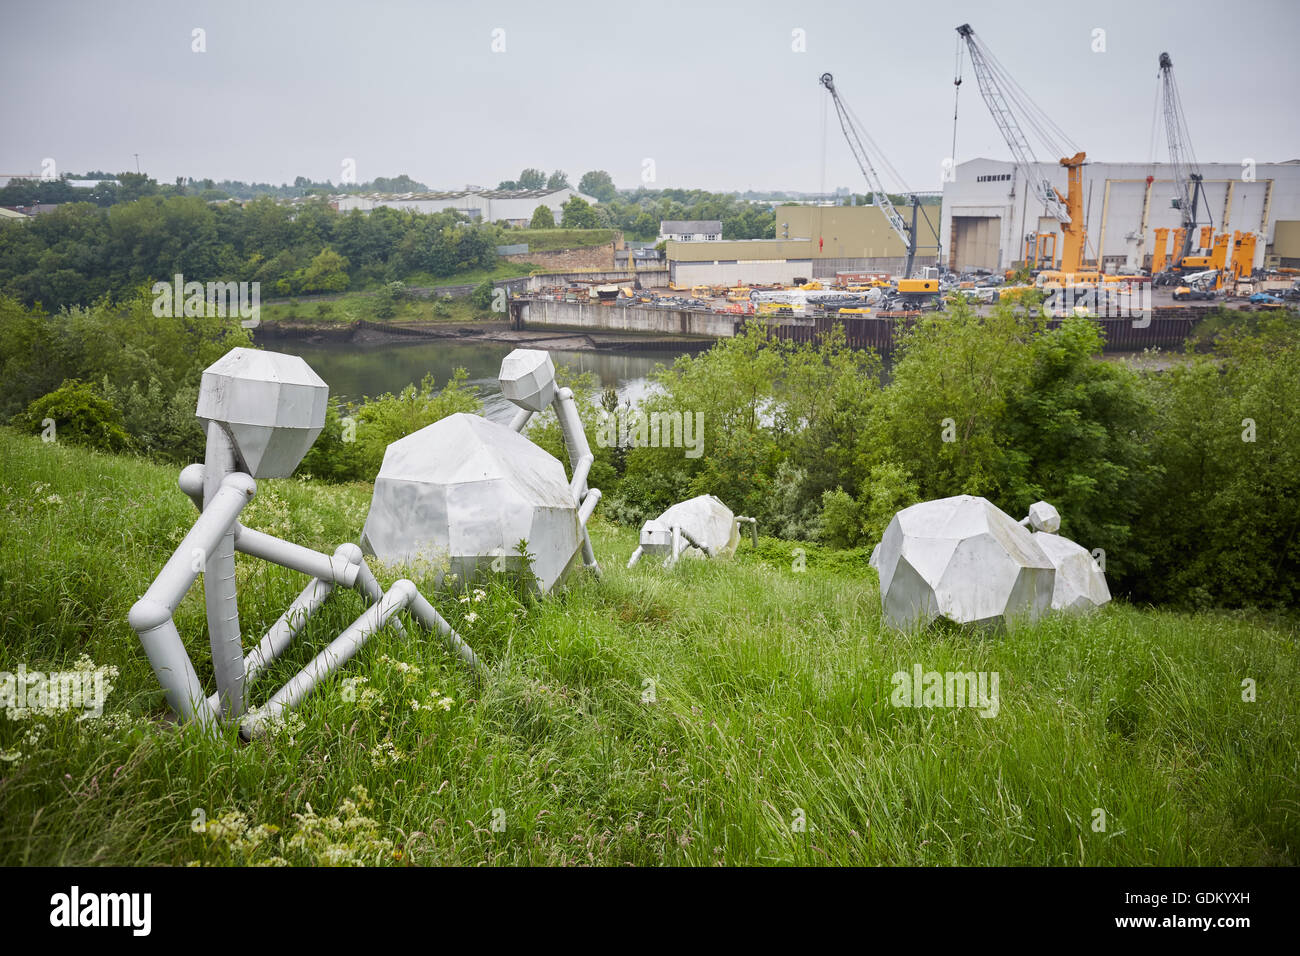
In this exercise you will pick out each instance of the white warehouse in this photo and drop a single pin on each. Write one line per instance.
(515, 206)
(987, 212)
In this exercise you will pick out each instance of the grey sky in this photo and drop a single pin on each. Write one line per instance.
(712, 93)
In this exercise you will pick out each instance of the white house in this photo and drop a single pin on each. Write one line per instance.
(690, 230)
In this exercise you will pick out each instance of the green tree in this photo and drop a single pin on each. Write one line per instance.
(328, 272)
(558, 180)
(532, 179)
(543, 218)
(598, 184)
(578, 214)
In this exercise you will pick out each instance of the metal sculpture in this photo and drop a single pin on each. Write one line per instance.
(1080, 583)
(462, 493)
(702, 523)
(262, 411)
(963, 559)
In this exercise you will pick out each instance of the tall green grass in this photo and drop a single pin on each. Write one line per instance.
(692, 716)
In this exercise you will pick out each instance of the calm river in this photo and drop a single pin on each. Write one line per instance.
(355, 371)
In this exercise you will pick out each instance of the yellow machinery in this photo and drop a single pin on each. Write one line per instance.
(1243, 254)
(1073, 244)
(912, 286)
(1207, 237)
(1161, 252)
(1040, 250)
(1179, 234)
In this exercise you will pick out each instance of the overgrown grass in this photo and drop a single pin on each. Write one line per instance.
(548, 240)
(683, 717)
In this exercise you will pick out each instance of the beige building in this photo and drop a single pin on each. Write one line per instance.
(811, 242)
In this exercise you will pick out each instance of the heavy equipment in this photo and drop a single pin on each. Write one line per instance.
(854, 135)
(1187, 177)
(1005, 99)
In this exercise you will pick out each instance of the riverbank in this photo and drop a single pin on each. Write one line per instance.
(365, 332)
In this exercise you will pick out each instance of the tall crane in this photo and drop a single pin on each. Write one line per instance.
(1187, 179)
(878, 194)
(1005, 99)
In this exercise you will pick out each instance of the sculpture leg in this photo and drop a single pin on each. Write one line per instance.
(151, 616)
(219, 584)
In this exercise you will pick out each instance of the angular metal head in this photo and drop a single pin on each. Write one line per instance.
(656, 538)
(528, 378)
(271, 404)
(1044, 517)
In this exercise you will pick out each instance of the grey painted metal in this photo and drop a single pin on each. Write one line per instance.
(262, 411)
(334, 656)
(1080, 584)
(521, 419)
(527, 378)
(753, 527)
(703, 522)
(281, 634)
(963, 559)
(219, 595)
(430, 618)
(459, 495)
(1042, 517)
(271, 404)
(151, 616)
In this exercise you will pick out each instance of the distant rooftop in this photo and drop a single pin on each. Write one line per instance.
(690, 226)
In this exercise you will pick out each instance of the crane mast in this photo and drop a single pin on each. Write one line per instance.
(878, 195)
(1186, 178)
(1067, 209)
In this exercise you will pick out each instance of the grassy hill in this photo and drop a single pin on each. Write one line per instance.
(682, 717)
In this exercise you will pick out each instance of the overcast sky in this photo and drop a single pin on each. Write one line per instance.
(715, 95)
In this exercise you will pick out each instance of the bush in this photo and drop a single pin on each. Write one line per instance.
(80, 416)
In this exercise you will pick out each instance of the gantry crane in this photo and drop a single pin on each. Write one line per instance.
(1004, 99)
(878, 194)
(1187, 179)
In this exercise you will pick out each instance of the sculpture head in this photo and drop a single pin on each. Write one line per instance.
(1044, 517)
(272, 405)
(528, 378)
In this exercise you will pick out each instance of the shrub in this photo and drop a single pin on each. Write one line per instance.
(80, 417)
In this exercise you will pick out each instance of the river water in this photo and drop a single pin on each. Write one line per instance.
(355, 371)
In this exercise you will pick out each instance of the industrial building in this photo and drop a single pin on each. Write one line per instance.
(811, 242)
(988, 212)
(512, 206)
(690, 230)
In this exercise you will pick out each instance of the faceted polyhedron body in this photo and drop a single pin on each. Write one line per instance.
(963, 559)
(706, 519)
(461, 493)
